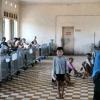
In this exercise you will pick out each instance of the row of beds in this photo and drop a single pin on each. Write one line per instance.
(13, 62)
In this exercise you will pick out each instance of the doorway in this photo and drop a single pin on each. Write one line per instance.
(68, 40)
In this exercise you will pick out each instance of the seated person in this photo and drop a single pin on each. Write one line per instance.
(34, 42)
(87, 65)
(10, 43)
(4, 42)
(4, 46)
(18, 44)
(70, 66)
(24, 43)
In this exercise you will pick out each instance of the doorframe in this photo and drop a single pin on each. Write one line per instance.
(73, 38)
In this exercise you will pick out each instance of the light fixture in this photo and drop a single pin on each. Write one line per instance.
(6, 2)
(15, 6)
(11, 4)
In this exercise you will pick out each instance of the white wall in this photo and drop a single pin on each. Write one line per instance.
(45, 20)
(0, 7)
(86, 25)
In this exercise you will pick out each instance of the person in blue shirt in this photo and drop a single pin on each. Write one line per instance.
(4, 42)
(96, 76)
(59, 70)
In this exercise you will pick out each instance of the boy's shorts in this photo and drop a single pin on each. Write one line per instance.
(60, 77)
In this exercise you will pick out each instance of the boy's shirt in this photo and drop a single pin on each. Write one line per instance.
(59, 65)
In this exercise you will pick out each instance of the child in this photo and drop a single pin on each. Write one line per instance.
(70, 66)
(59, 69)
(87, 65)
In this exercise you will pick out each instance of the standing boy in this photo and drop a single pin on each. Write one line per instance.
(59, 69)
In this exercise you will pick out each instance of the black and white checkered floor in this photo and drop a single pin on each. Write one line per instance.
(35, 84)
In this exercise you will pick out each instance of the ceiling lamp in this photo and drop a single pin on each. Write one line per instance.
(11, 4)
(15, 6)
(6, 2)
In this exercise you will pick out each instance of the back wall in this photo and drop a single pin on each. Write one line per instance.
(46, 21)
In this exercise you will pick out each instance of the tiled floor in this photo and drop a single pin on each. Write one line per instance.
(35, 84)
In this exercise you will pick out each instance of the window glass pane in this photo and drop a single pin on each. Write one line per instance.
(15, 29)
(7, 29)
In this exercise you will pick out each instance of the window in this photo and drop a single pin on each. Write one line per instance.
(10, 28)
(6, 28)
(15, 29)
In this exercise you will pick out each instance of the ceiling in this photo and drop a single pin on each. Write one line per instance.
(59, 1)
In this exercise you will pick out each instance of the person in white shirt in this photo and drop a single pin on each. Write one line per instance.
(87, 65)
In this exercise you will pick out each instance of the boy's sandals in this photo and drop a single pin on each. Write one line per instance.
(59, 97)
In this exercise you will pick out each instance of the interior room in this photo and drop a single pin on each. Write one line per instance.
(49, 49)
